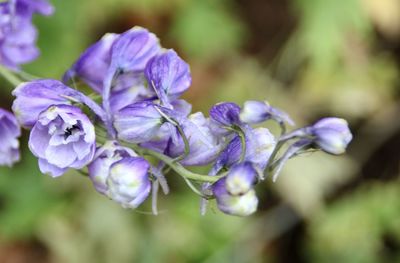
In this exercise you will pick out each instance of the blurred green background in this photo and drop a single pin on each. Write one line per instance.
(313, 58)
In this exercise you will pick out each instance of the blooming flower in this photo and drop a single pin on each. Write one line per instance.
(9, 132)
(105, 156)
(129, 182)
(332, 135)
(62, 138)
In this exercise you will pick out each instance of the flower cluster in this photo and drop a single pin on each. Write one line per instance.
(17, 33)
(135, 112)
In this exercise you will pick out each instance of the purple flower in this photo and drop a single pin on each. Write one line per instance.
(17, 39)
(9, 132)
(130, 92)
(133, 49)
(241, 178)
(332, 135)
(17, 33)
(168, 75)
(225, 114)
(93, 64)
(254, 112)
(204, 145)
(34, 97)
(62, 138)
(238, 205)
(105, 156)
(138, 122)
(129, 182)
(260, 144)
(27, 7)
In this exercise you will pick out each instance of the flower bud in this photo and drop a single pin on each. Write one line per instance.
(9, 132)
(105, 156)
(168, 75)
(254, 112)
(225, 113)
(332, 135)
(138, 122)
(93, 64)
(239, 205)
(129, 182)
(133, 49)
(241, 178)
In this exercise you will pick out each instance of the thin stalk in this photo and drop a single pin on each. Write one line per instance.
(9, 76)
(178, 168)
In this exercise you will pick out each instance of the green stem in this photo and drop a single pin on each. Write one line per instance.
(178, 168)
(186, 142)
(9, 76)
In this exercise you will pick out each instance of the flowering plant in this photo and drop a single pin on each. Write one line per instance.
(135, 112)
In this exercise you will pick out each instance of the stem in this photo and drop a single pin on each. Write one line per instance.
(178, 168)
(186, 142)
(243, 143)
(9, 76)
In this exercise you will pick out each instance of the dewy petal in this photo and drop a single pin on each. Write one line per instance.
(169, 75)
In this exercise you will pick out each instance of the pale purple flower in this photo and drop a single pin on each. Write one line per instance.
(138, 122)
(204, 145)
(93, 64)
(129, 182)
(238, 205)
(9, 133)
(254, 112)
(34, 97)
(332, 135)
(260, 144)
(241, 178)
(105, 156)
(62, 138)
(133, 49)
(168, 75)
(17, 33)
(225, 114)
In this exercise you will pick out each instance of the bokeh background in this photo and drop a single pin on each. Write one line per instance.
(313, 58)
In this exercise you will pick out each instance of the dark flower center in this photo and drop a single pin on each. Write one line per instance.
(69, 131)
